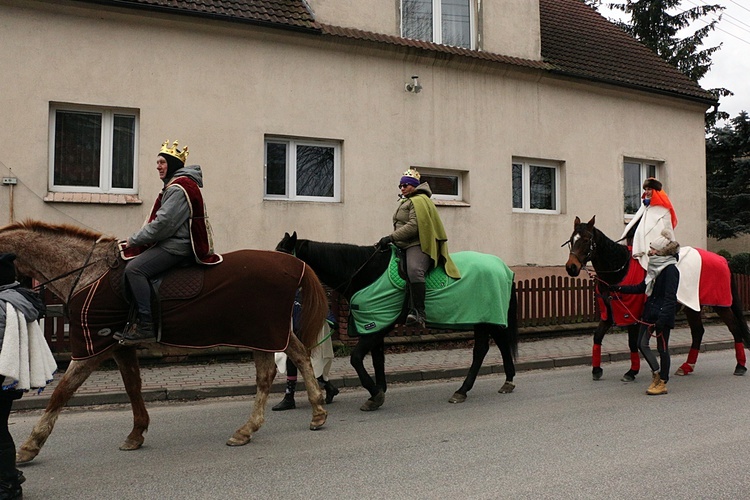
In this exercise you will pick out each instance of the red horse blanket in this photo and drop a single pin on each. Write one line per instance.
(625, 308)
(246, 301)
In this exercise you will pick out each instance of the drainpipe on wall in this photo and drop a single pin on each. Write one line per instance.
(10, 182)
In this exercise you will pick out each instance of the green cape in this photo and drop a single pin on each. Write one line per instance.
(432, 237)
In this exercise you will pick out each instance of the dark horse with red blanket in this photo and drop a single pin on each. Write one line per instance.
(246, 301)
(704, 280)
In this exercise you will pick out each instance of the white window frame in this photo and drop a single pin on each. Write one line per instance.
(526, 165)
(105, 161)
(458, 174)
(291, 168)
(437, 25)
(647, 168)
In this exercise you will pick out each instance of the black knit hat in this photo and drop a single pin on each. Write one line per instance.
(173, 165)
(652, 183)
(7, 268)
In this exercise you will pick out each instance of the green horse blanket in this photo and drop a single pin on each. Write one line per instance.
(482, 295)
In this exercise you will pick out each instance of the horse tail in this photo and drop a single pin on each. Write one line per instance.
(512, 328)
(314, 308)
(739, 314)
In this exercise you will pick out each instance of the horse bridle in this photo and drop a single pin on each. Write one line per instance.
(589, 254)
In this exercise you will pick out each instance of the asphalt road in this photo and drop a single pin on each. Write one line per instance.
(559, 435)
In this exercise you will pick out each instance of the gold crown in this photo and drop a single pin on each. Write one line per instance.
(412, 172)
(180, 154)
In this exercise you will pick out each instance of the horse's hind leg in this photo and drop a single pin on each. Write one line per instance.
(635, 357)
(130, 371)
(732, 322)
(365, 344)
(481, 347)
(265, 371)
(696, 332)
(301, 358)
(75, 375)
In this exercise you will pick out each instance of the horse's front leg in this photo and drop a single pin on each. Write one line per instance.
(696, 333)
(265, 371)
(127, 362)
(366, 344)
(596, 351)
(481, 347)
(301, 359)
(75, 375)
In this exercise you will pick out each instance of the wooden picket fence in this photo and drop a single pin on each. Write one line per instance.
(542, 302)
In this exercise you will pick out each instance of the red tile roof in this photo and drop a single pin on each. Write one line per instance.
(576, 41)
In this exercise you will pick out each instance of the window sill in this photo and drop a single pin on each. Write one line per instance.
(451, 203)
(102, 198)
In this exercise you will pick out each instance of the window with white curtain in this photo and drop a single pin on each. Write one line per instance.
(448, 22)
(93, 149)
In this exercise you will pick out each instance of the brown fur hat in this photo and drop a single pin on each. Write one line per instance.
(652, 183)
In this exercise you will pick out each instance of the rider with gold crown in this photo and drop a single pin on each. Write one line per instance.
(177, 231)
(418, 230)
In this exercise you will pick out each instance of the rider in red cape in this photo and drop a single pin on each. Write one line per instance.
(177, 231)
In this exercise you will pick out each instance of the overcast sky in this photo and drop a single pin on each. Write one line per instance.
(731, 63)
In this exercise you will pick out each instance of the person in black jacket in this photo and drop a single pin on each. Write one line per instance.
(660, 284)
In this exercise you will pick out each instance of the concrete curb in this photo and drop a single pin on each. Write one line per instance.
(409, 375)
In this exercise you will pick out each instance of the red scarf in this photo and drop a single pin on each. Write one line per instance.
(661, 198)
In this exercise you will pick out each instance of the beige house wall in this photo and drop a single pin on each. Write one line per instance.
(220, 88)
(508, 27)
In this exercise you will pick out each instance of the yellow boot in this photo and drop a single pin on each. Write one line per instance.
(661, 388)
(655, 379)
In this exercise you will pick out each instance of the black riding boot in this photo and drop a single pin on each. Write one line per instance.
(140, 332)
(416, 314)
(288, 402)
(330, 389)
(10, 477)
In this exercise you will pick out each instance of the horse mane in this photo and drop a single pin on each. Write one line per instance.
(66, 229)
(347, 258)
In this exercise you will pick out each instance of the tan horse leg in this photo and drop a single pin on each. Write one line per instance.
(301, 358)
(265, 371)
(130, 370)
(75, 375)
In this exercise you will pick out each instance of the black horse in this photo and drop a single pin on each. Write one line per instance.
(349, 268)
(611, 262)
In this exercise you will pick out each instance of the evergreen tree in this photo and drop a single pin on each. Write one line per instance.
(652, 25)
(728, 178)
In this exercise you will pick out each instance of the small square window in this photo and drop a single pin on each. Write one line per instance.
(444, 184)
(448, 22)
(93, 149)
(536, 186)
(634, 173)
(302, 169)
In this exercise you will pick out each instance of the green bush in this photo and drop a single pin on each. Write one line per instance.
(740, 263)
(725, 254)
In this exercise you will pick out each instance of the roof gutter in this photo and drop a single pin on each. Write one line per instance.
(127, 4)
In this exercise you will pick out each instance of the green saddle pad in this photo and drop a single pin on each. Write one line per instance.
(436, 278)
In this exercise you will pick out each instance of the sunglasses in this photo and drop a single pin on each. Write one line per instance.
(402, 186)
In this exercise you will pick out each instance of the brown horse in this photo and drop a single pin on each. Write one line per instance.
(246, 301)
(611, 261)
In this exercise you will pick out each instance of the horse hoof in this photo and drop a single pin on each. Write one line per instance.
(374, 402)
(597, 373)
(318, 422)
(680, 372)
(238, 440)
(25, 456)
(740, 370)
(507, 388)
(457, 398)
(629, 376)
(130, 444)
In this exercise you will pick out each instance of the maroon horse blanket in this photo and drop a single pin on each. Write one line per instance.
(246, 301)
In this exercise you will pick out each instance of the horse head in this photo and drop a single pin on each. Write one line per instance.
(582, 246)
(288, 243)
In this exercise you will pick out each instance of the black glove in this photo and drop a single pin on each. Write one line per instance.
(658, 327)
(384, 243)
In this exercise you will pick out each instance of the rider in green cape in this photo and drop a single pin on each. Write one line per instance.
(418, 230)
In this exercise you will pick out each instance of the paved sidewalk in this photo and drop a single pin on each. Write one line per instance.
(233, 378)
